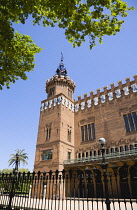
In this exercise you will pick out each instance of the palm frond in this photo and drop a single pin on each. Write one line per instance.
(22, 156)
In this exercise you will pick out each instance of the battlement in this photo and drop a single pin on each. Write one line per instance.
(107, 94)
(93, 99)
(59, 78)
(59, 99)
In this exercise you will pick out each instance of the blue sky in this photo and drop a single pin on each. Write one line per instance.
(114, 60)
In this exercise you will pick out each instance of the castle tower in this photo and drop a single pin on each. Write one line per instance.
(55, 142)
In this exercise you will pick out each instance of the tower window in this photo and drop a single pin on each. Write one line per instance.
(46, 155)
(48, 133)
(69, 135)
(51, 91)
(130, 121)
(70, 93)
(88, 132)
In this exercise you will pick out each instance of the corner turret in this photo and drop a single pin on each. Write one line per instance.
(60, 83)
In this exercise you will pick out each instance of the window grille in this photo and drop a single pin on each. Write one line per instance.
(88, 132)
(130, 121)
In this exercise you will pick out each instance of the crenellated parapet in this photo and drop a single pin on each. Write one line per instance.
(99, 97)
(57, 100)
(114, 92)
(59, 80)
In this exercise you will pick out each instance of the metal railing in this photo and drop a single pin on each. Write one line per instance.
(102, 188)
(99, 157)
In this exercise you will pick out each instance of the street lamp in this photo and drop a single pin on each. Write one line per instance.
(102, 141)
(104, 166)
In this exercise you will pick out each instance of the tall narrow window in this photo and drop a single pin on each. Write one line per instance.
(126, 148)
(130, 121)
(69, 135)
(70, 93)
(112, 150)
(99, 152)
(116, 149)
(107, 151)
(82, 132)
(121, 149)
(69, 155)
(88, 132)
(48, 133)
(51, 91)
(86, 154)
(131, 147)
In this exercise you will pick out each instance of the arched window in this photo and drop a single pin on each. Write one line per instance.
(131, 147)
(135, 146)
(116, 149)
(126, 148)
(121, 149)
(112, 150)
(95, 153)
(99, 152)
(107, 151)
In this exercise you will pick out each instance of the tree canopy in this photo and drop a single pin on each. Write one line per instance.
(79, 19)
(8, 171)
(22, 157)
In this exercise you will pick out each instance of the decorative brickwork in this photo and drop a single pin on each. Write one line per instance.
(74, 127)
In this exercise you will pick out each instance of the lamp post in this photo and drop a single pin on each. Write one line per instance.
(102, 141)
(104, 166)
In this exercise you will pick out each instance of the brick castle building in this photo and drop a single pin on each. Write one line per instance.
(69, 129)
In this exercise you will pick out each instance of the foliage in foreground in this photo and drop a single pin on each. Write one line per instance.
(79, 19)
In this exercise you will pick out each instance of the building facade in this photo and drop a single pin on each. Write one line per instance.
(69, 129)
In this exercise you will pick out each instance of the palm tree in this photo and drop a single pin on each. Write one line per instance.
(19, 157)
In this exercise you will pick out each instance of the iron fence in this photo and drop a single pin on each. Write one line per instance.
(97, 187)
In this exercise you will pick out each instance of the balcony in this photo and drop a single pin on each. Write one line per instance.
(114, 155)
